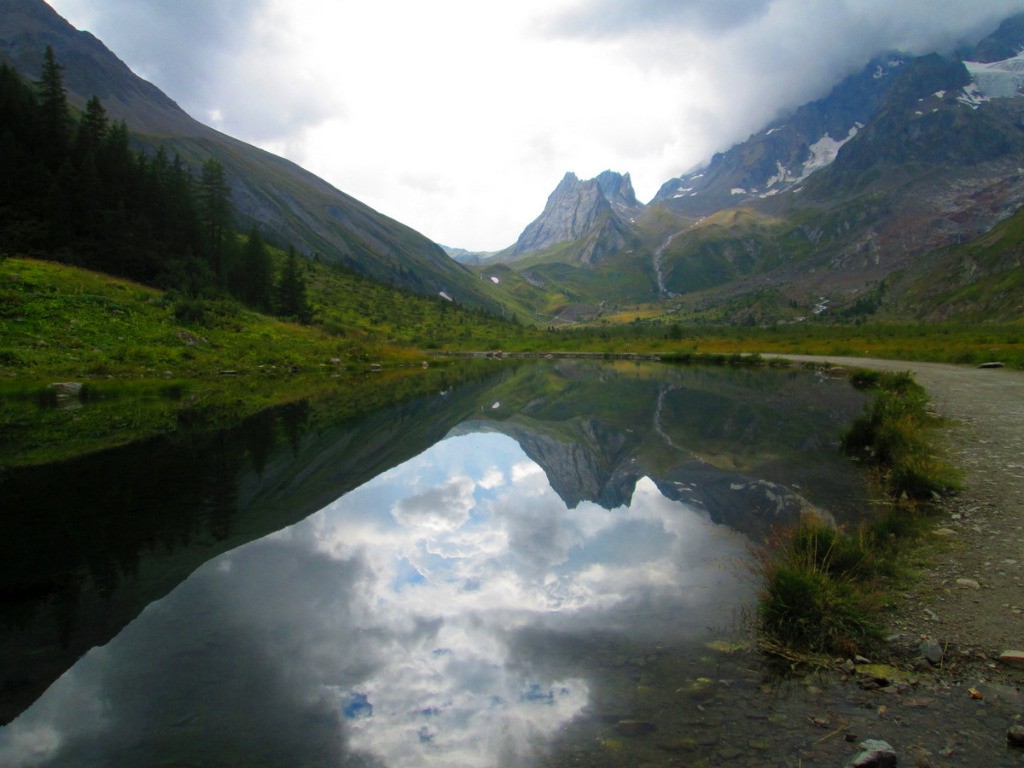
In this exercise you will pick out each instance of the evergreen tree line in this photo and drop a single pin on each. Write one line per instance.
(73, 189)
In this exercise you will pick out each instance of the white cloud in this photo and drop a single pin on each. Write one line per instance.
(438, 509)
(525, 471)
(493, 478)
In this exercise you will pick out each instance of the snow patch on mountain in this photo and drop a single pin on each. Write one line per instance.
(996, 80)
(781, 176)
(821, 153)
(972, 96)
(825, 150)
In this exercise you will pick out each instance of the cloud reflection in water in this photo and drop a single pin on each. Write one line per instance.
(470, 535)
(385, 625)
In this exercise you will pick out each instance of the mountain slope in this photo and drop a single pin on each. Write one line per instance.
(978, 281)
(293, 205)
(842, 206)
(788, 150)
(934, 164)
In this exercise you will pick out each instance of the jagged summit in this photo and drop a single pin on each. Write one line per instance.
(1005, 43)
(617, 188)
(576, 209)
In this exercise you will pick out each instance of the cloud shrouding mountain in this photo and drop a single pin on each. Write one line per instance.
(458, 118)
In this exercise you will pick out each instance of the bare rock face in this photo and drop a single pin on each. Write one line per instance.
(617, 189)
(579, 209)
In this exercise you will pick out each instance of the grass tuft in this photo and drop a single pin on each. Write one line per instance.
(817, 595)
(896, 434)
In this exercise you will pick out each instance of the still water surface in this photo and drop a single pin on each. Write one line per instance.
(535, 572)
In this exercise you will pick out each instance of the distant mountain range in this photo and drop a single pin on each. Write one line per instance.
(897, 195)
(858, 204)
(292, 205)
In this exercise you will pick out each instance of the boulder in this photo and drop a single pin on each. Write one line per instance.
(67, 388)
(68, 394)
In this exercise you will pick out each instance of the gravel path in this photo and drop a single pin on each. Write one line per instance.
(971, 596)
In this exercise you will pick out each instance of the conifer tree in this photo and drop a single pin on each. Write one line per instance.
(92, 128)
(291, 289)
(216, 212)
(55, 117)
(254, 283)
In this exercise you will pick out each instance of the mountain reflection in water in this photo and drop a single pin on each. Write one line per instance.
(435, 615)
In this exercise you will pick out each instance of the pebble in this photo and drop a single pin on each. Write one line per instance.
(1015, 736)
(873, 754)
(932, 651)
(1012, 658)
(968, 583)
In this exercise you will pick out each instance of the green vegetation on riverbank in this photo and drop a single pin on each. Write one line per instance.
(953, 342)
(147, 366)
(60, 321)
(66, 322)
(63, 323)
(41, 423)
(824, 587)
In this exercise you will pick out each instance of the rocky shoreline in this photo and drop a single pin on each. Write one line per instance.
(956, 632)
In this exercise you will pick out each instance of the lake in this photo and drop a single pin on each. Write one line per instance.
(547, 565)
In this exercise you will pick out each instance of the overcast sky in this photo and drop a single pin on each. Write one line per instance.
(459, 117)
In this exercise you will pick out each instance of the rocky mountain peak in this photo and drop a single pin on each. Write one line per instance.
(617, 188)
(576, 208)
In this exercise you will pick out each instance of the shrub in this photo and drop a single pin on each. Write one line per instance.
(831, 550)
(864, 379)
(190, 310)
(818, 595)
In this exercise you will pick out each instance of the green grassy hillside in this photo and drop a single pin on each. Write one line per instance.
(66, 322)
(980, 281)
